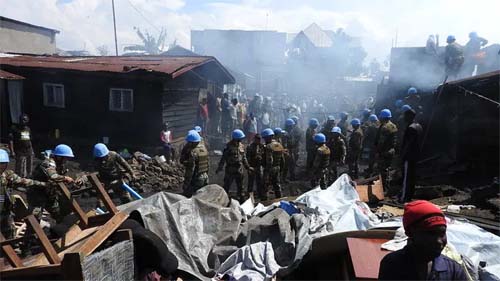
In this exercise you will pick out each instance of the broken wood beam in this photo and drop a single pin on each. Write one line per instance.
(103, 233)
(10, 254)
(103, 194)
(74, 205)
(47, 247)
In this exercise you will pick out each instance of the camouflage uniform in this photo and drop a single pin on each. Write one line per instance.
(337, 157)
(293, 150)
(370, 132)
(273, 156)
(48, 198)
(453, 58)
(310, 147)
(321, 161)
(112, 169)
(255, 154)
(284, 140)
(8, 181)
(234, 158)
(355, 147)
(195, 161)
(385, 143)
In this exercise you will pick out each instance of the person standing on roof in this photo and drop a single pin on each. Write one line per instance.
(421, 259)
(234, 158)
(355, 147)
(385, 145)
(8, 182)
(453, 57)
(113, 170)
(273, 161)
(194, 157)
(52, 170)
(21, 147)
(321, 162)
(410, 151)
(472, 53)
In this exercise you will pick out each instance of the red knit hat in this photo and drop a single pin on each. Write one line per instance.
(422, 214)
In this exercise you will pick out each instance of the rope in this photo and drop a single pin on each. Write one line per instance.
(468, 92)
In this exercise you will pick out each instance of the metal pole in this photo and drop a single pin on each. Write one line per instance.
(114, 25)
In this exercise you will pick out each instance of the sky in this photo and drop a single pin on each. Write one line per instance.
(87, 24)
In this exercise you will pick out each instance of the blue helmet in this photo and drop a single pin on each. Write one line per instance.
(385, 113)
(197, 129)
(4, 156)
(193, 136)
(267, 133)
(398, 103)
(331, 118)
(313, 122)
(336, 130)
(405, 107)
(278, 131)
(343, 115)
(319, 138)
(450, 39)
(373, 118)
(295, 119)
(63, 151)
(412, 91)
(289, 122)
(355, 122)
(366, 112)
(238, 134)
(100, 150)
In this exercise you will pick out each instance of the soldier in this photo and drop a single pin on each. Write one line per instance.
(370, 133)
(342, 124)
(112, 168)
(8, 181)
(385, 143)
(292, 146)
(283, 137)
(365, 116)
(273, 155)
(400, 123)
(234, 159)
(327, 128)
(194, 157)
(337, 153)
(453, 57)
(21, 148)
(51, 169)
(255, 157)
(321, 162)
(310, 145)
(355, 147)
(410, 151)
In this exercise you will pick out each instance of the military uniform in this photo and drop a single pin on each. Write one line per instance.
(112, 169)
(48, 198)
(385, 143)
(343, 127)
(454, 58)
(293, 150)
(355, 147)
(310, 147)
(327, 130)
(273, 156)
(21, 139)
(8, 181)
(338, 152)
(195, 161)
(321, 162)
(234, 158)
(285, 168)
(255, 157)
(370, 132)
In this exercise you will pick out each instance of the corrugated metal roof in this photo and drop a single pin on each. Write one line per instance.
(9, 76)
(173, 66)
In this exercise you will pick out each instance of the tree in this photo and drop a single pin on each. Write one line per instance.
(150, 44)
(102, 50)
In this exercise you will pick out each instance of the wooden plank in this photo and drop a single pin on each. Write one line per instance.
(10, 254)
(74, 205)
(103, 233)
(32, 272)
(11, 241)
(72, 266)
(372, 193)
(103, 194)
(366, 255)
(47, 247)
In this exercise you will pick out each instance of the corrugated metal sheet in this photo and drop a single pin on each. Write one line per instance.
(173, 66)
(9, 76)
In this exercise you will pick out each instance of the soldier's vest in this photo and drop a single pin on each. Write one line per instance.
(201, 154)
(324, 156)
(277, 152)
(234, 155)
(108, 167)
(255, 153)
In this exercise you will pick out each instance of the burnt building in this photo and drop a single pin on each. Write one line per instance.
(120, 100)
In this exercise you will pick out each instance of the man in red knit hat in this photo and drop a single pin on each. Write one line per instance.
(421, 259)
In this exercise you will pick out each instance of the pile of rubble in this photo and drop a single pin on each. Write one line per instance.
(155, 174)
